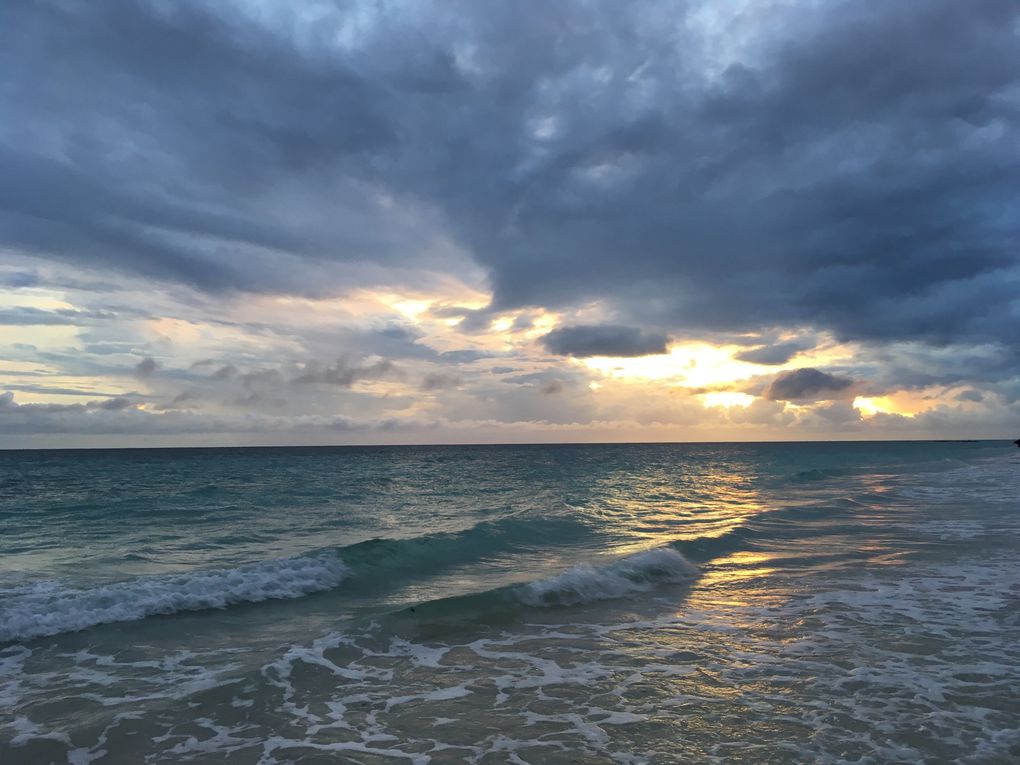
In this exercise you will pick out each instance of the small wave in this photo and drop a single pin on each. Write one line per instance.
(704, 549)
(437, 551)
(640, 572)
(586, 584)
(814, 474)
(51, 608)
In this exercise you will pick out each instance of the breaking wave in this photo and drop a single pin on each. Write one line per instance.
(50, 608)
(586, 584)
(41, 609)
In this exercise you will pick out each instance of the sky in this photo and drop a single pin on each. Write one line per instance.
(376, 221)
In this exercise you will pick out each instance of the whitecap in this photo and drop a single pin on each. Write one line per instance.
(587, 584)
(51, 608)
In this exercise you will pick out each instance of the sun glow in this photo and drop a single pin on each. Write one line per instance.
(727, 399)
(901, 404)
(415, 307)
(541, 325)
(689, 365)
(412, 309)
(870, 406)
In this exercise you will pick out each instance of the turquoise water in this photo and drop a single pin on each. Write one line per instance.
(765, 603)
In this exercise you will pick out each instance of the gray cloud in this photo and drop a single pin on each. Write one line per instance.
(115, 404)
(263, 378)
(466, 356)
(778, 353)
(604, 340)
(853, 168)
(344, 373)
(437, 381)
(19, 279)
(840, 167)
(28, 316)
(146, 368)
(57, 390)
(180, 401)
(225, 372)
(552, 387)
(115, 417)
(970, 395)
(807, 384)
(229, 106)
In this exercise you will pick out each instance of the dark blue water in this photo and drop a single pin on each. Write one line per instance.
(625, 603)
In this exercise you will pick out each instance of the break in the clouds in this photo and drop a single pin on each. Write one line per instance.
(678, 218)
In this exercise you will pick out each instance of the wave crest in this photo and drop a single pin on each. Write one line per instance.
(586, 584)
(51, 608)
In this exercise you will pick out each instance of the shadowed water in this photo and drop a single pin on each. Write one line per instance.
(541, 604)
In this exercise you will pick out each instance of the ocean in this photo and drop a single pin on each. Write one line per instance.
(643, 603)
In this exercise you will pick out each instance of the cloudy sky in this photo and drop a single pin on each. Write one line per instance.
(380, 222)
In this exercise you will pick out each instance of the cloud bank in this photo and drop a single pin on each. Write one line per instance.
(441, 190)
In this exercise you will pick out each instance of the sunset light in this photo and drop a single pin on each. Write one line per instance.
(509, 383)
(688, 364)
(727, 399)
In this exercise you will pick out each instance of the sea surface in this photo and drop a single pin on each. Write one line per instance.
(703, 603)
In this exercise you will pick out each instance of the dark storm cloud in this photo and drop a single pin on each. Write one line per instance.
(603, 340)
(174, 118)
(807, 384)
(853, 168)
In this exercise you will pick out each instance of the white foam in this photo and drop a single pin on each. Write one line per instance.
(276, 743)
(437, 694)
(12, 667)
(587, 584)
(50, 608)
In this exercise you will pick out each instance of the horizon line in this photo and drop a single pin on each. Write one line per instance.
(1003, 439)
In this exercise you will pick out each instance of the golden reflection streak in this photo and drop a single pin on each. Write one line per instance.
(740, 565)
(726, 503)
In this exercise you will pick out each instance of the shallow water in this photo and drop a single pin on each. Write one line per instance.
(542, 604)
